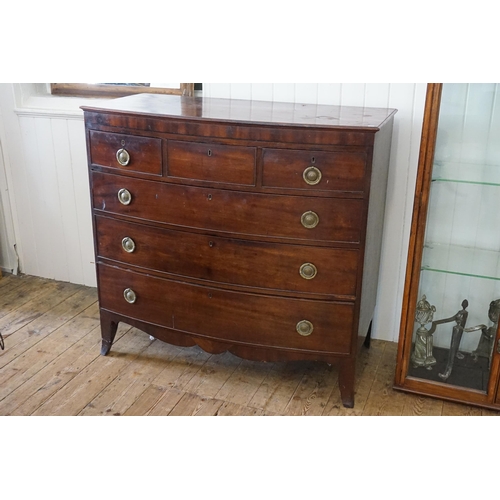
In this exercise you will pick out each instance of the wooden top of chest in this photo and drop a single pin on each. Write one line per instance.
(247, 111)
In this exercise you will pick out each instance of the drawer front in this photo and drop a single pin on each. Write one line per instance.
(224, 315)
(295, 268)
(318, 170)
(292, 217)
(136, 154)
(211, 162)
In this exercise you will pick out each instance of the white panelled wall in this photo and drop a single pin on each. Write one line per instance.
(47, 192)
(46, 171)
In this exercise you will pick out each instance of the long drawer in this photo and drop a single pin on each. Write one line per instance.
(255, 214)
(295, 268)
(300, 324)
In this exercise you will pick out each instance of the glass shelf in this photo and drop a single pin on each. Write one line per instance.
(468, 173)
(460, 260)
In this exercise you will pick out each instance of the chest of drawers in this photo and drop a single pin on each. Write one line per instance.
(237, 225)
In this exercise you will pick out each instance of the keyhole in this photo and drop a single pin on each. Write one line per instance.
(209, 197)
(210, 244)
(123, 142)
(313, 159)
(209, 152)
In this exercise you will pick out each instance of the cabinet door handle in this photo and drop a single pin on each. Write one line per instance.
(308, 271)
(309, 219)
(128, 244)
(123, 157)
(124, 196)
(312, 175)
(304, 328)
(129, 295)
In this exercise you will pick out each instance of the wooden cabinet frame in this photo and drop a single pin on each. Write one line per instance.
(413, 270)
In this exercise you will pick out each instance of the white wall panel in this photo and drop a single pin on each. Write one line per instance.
(305, 92)
(41, 189)
(240, 90)
(284, 92)
(8, 258)
(377, 95)
(70, 227)
(21, 199)
(8, 255)
(49, 189)
(329, 93)
(353, 94)
(57, 193)
(262, 91)
(81, 195)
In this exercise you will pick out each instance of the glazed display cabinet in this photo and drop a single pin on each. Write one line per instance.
(449, 344)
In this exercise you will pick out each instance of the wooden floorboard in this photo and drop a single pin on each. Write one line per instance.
(52, 365)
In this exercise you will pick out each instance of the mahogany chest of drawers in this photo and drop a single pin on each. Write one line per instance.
(253, 227)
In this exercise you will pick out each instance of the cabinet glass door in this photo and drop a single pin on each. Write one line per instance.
(458, 302)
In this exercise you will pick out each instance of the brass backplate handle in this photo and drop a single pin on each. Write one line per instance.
(308, 271)
(129, 295)
(309, 219)
(128, 244)
(124, 196)
(123, 157)
(304, 328)
(312, 175)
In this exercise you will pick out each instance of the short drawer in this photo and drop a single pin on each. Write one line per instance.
(309, 325)
(276, 267)
(126, 152)
(318, 170)
(211, 162)
(253, 214)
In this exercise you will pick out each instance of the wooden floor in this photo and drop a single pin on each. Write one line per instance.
(51, 365)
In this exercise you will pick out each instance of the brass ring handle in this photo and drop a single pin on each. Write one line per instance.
(304, 328)
(312, 175)
(128, 244)
(308, 271)
(129, 295)
(309, 219)
(124, 196)
(123, 157)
